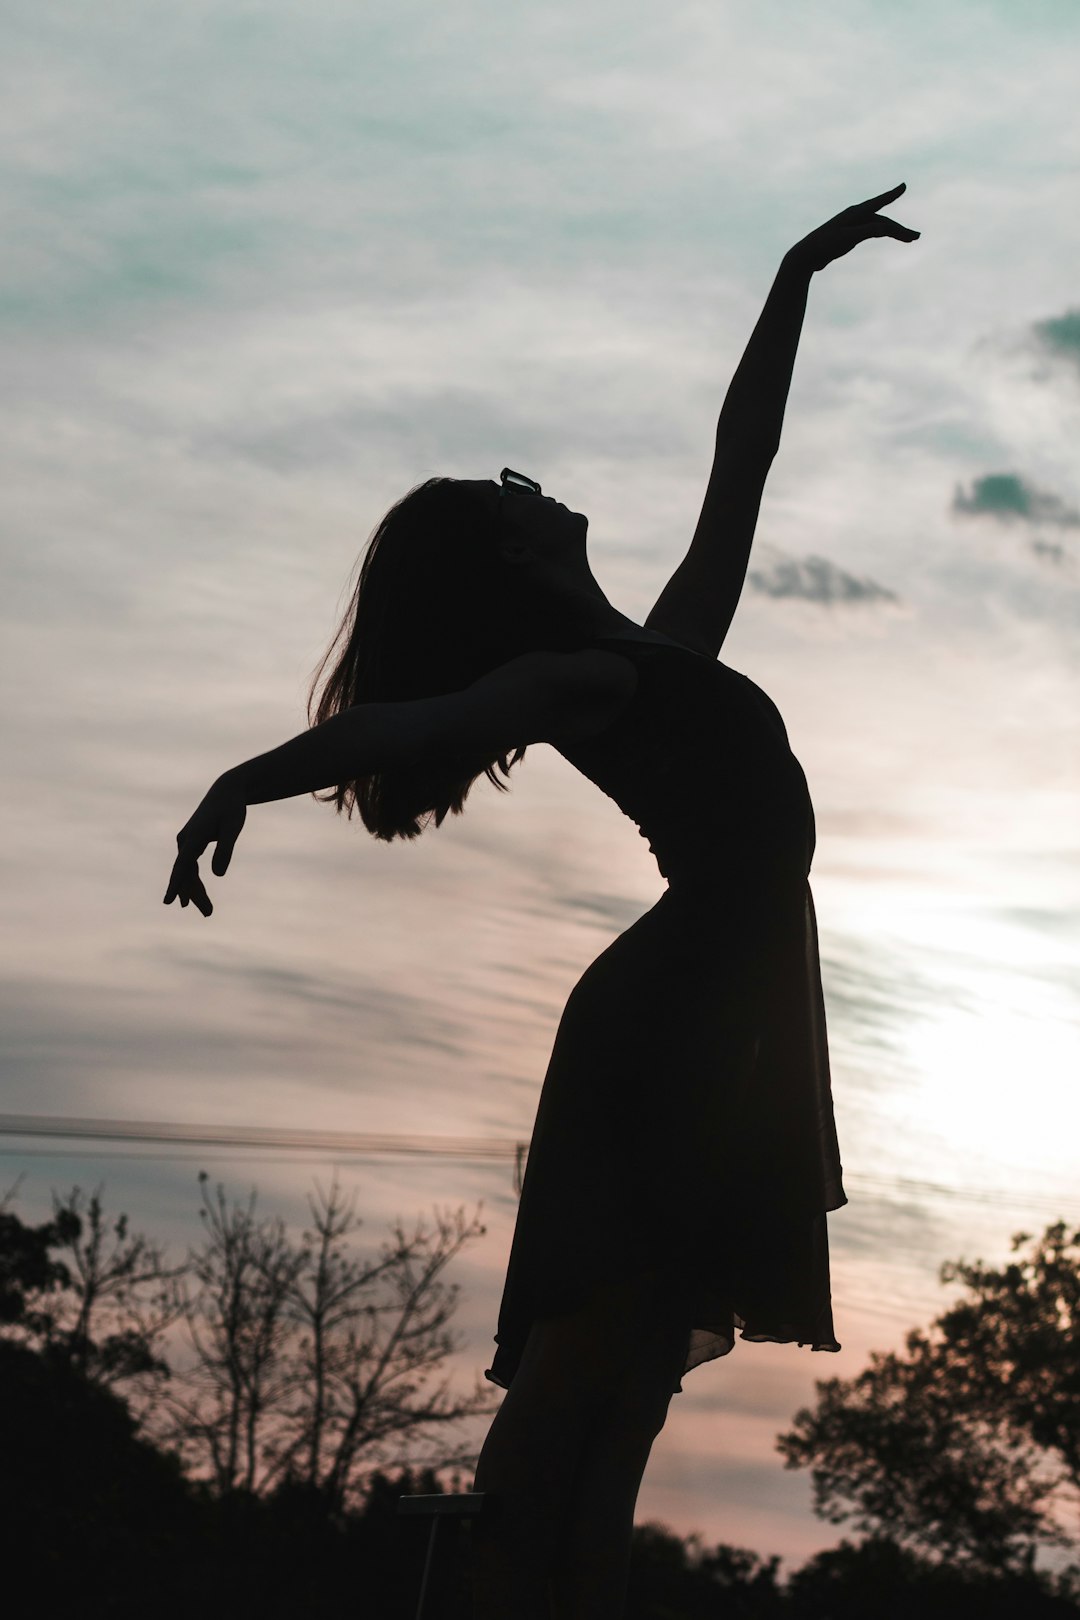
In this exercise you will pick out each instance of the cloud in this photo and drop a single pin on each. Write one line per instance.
(1049, 551)
(1007, 497)
(815, 579)
(609, 910)
(1061, 335)
(387, 1016)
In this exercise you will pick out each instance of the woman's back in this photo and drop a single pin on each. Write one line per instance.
(699, 759)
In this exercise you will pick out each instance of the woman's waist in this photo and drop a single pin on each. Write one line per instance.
(735, 854)
(734, 877)
(765, 813)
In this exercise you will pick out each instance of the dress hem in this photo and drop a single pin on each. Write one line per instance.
(752, 1336)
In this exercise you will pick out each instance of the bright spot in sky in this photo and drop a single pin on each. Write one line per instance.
(996, 1074)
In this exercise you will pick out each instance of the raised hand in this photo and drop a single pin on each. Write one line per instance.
(847, 229)
(218, 820)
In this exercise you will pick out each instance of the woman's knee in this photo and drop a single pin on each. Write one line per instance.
(622, 1351)
(642, 1394)
(638, 1407)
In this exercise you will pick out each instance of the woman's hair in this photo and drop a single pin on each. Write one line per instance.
(434, 609)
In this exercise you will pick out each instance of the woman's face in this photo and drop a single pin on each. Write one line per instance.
(536, 524)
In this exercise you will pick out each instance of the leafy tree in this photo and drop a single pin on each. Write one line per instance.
(29, 1277)
(310, 1363)
(675, 1576)
(963, 1447)
(91, 1512)
(877, 1577)
(1013, 1346)
(103, 1304)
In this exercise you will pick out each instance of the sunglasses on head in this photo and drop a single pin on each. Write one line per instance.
(517, 482)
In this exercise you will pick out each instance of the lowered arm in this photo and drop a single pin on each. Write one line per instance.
(532, 698)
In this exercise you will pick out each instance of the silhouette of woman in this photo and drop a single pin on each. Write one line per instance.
(684, 1154)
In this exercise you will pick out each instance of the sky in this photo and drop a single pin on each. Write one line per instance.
(267, 268)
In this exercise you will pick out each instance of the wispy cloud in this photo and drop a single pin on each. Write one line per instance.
(815, 579)
(1049, 551)
(388, 1016)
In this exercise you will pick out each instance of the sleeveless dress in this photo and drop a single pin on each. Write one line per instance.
(685, 1128)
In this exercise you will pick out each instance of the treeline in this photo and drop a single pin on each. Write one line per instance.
(258, 1472)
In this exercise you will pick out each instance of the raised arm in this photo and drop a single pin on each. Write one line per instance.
(752, 414)
(535, 698)
(698, 603)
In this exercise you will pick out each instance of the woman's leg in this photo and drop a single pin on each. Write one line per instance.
(593, 1565)
(565, 1454)
(592, 1574)
(528, 1462)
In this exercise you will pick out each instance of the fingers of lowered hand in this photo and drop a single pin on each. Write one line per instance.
(185, 885)
(200, 896)
(175, 882)
(232, 825)
(223, 852)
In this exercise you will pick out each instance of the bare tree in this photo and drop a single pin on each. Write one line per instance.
(236, 1321)
(366, 1362)
(311, 1363)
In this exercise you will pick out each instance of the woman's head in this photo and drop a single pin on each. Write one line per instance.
(456, 579)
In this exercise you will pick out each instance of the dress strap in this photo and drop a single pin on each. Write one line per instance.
(634, 641)
(646, 643)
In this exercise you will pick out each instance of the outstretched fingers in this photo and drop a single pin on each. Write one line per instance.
(872, 204)
(882, 225)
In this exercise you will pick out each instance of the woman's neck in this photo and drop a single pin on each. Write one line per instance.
(589, 613)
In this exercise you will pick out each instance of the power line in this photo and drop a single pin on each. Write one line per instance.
(350, 1144)
(1019, 1199)
(356, 1144)
(264, 1136)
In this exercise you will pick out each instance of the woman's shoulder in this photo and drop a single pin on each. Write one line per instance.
(591, 683)
(563, 694)
(589, 688)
